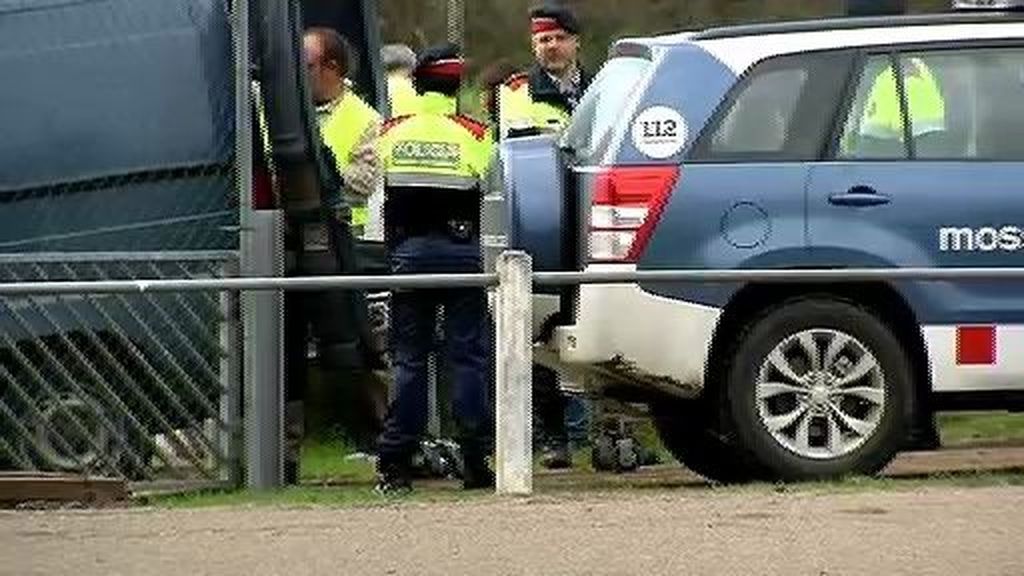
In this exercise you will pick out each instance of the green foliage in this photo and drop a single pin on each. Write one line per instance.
(499, 28)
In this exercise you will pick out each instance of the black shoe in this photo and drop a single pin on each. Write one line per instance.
(556, 457)
(478, 477)
(291, 473)
(393, 480)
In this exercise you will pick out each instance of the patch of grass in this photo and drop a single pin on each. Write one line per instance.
(328, 460)
(557, 486)
(991, 428)
(289, 496)
(310, 496)
(947, 479)
(332, 480)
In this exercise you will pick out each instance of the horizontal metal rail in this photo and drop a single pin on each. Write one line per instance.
(422, 281)
(75, 257)
(403, 281)
(776, 275)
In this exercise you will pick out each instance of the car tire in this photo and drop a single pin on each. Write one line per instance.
(819, 388)
(689, 433)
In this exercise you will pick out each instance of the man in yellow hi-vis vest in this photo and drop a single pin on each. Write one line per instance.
(348, 125)
(925, 106)
(543, 98)
(434, 165)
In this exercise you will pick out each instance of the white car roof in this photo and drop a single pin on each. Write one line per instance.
(741, 51)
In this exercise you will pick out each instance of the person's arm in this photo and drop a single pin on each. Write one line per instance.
(363, 170)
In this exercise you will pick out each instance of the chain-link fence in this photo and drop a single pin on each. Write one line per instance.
(118, 162)
(139, 386)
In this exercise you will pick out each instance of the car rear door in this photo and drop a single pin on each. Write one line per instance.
(942, 189)
(740, 199)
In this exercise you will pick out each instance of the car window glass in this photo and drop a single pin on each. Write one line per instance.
(760, 116)
(963, 104)
(874, 123)
(966, 104)
(602, 104)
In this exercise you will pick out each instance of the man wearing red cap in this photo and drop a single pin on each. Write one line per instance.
(434, 166)
(543, 98)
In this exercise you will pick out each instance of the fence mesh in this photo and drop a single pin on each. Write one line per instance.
(136, 385)
(118, 163)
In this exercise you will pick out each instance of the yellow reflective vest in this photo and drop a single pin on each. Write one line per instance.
(532, 101)
(519, 111)
(435, 147)
(402, 96)
(925, 105)
(350, 127)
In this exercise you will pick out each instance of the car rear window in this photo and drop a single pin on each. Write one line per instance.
(781, 111)
(604, 103)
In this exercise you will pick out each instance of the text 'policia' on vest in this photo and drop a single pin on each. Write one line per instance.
(542, 98)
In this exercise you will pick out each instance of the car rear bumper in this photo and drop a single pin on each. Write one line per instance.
(622, 325)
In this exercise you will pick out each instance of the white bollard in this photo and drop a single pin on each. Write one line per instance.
(513, 389)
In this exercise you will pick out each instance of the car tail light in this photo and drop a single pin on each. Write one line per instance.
(626, 206)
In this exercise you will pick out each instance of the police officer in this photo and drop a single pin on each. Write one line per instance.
(543, 98)
(434, 162)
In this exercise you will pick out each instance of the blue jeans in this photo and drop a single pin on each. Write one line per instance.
(466, 335)
(577, 420)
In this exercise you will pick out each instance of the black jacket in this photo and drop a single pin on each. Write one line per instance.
(543, 89)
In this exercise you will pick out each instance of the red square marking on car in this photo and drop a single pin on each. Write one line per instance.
(976, 345)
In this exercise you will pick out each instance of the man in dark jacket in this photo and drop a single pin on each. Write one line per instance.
(543, 97)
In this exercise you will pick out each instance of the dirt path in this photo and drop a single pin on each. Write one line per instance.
(669, 525)
(928, 531)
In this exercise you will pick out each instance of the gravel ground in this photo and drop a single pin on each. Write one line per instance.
(931, 530)
(669, 523)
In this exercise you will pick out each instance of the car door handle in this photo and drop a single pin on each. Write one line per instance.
(859, 196)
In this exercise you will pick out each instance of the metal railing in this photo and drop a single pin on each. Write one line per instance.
(513, 282)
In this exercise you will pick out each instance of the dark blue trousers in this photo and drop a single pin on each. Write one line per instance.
(466, 337)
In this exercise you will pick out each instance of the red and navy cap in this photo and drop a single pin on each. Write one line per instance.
(442, 62)
(551, 18)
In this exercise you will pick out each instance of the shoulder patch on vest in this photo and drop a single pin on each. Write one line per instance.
(392, 122)
(517, 80)
(478, 129)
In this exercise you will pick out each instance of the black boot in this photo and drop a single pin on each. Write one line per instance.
(294, 430)
(556, 456)
(393, 477)
(477, 475)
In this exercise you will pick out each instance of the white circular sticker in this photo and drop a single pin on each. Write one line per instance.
(659, 132)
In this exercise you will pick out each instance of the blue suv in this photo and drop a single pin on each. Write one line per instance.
(844, 143)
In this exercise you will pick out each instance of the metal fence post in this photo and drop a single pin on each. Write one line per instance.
(231, 382)
(263, 314)
(513, 392)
